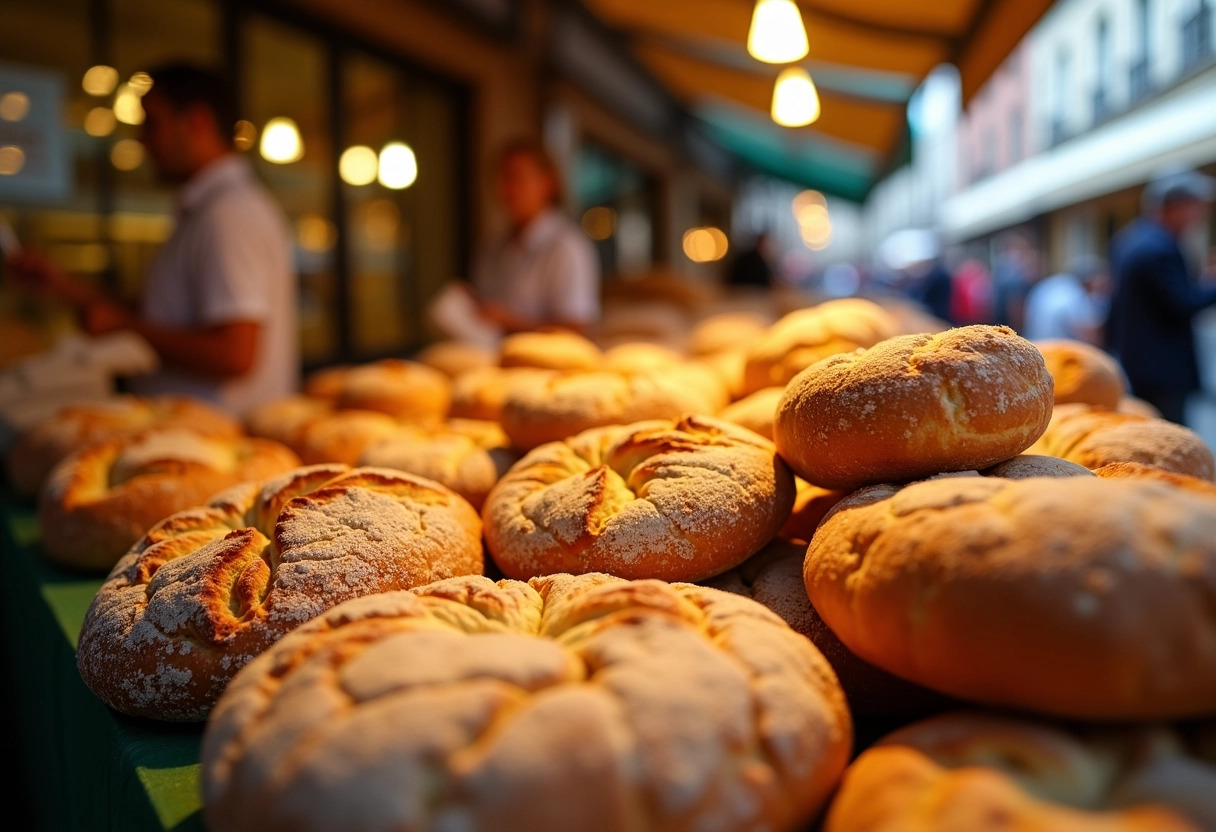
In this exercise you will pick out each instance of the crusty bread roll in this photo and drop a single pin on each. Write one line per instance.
(1082, 373)
(970, 771)
(209, 588)
(466, 455)
(1026, 466)
(726, 331)
(38, 450)
(1076, 596)
(773, 577)
(675, 500)
(479, 394)
(327, 383)
(806, 336)
(568, 403)
(1131, 404)
(284, 420)
(556, 350)
(101, 500)
(914, 406)
(640, 356)
(1138, 470)
(454, 357)
(755, 412)
(343, 435)
(730, 366)
(811, 504)
(1094, 437)
(568, 703)
(405, 390)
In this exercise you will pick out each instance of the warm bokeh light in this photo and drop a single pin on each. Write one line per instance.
(141, 82)
(795, 100)
(358, 165)
(398, 166)
(281, 142)
(127, 107)
(14, 106)
(127, 154)
(777, 34)
(807, 201)
(100, 121)
(599, 222)
(100, 80)
(315, 233)
(378, 223)
(244, 135)
(705, 245)
(12, 160)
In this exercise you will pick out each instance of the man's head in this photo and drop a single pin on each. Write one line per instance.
(189, 116)
(1178, 198)
(528, 181)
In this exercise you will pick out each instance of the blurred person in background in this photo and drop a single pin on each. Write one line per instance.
(1071, 304)
(933, 285)
(543, 273)
(753, 266)
(1150, 329)
(971, 294)
(218, 304)
(1013, 273)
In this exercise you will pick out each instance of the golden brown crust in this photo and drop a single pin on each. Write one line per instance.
(676, 500)
(583, 703)
(811, 505)
(978, 772)
(1076, 596)
(405, 390)
(641, 356)
(209, 588)
(806, 336)
(284, 420)
(557, 350)
(98, 502)
(914, 406)
(1138, 470)
(726, 331)
(1094, 437)
(452, 358)
(1082, 373)
(755, 412)
(479, 394)
(1026, 466)
(343, 435)
(36, 451)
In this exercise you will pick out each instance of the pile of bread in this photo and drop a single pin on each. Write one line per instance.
(560, 587)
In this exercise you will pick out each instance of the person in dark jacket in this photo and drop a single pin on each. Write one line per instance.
(1150, 329)
(753, 266)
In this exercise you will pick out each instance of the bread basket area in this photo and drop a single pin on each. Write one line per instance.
(837, 570)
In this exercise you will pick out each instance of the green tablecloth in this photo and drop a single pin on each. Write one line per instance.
(80, 764)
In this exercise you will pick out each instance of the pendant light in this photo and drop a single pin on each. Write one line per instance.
(795, 100)
(777, 35)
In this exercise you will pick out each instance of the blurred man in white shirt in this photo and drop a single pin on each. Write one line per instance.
(1070, 304)
(219, 302)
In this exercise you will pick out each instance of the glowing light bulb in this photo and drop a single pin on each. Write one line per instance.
(281, 142)
(795, 100)
(127, 107)
(398, 166)
(358, 165)
(777, 35)
(705, 245)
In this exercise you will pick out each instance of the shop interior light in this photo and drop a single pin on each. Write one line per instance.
(599, 223)
(705, 245)
(281, 142)
(141, 82)
(14, 106)
(795, 100)
(777, 35)
(127, 107)
(358, 165)
(12, 160)
(127, 154)
(398, 166)
(99, 122)
(100, 80)
(244, 135)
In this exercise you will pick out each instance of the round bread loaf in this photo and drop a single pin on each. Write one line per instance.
(1026, 466)
(773, 577)
(729, 366)
(811, 504)
(1094, 437)
(675, 500)
(1082, 373)
(566, 703)
(284, 420)
(914, 406)
(640, 357)
(343, 435)
(467, 456)
(982, 772)
(480, 394)
(98, 502)
(557, 350)
(726, 331)
(209, 588)
(755, 412)
(405, 390)
(568, 403)
(1076, 596)
(1138, 470)
(1130, 404)
(806, 336)
(37, 451)
(454, 357)
(327, 383)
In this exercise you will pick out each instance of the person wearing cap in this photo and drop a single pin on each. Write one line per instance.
(1150, 329)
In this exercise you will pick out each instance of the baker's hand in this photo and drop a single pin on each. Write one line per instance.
(34, 271)
(102, 316)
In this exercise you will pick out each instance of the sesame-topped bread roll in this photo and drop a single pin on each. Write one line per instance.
(1082, 373)
(676, 500)
(1076, 596)
(208, 589)
(914, 406)
(567, 703)
(98, 502)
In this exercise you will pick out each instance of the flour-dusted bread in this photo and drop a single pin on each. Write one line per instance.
(914, 406)
(567, 703)
(972, 771)
(1076, 596)
(209, 588)
(37, 451)
(1082, 373)
(98, 502)
(1138, 470)
(676, 500)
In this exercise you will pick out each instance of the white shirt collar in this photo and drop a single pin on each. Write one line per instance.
(216, 176)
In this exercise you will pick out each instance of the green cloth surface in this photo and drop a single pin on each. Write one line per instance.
(83, 765)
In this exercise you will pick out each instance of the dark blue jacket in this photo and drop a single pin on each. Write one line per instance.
(1150, 329)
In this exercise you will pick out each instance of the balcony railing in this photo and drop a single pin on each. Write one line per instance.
(1197, 36)
(1139, 83)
